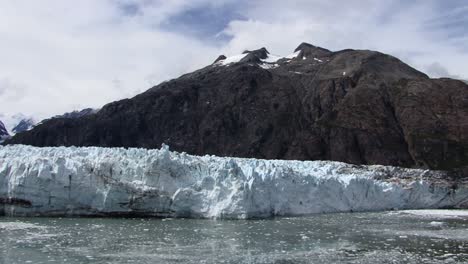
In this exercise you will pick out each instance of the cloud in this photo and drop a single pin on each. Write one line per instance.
(69, 55)
(58, 55)
(11, 91)
(437, 70)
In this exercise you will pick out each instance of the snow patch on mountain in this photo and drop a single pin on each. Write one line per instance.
(117, 181)
(293, 55)
(231, 59)
(269, 66)
(271, 58)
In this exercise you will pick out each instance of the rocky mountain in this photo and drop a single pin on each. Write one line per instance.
(3, 132)
(355, 106)
(73, 114)
(24, 125)
(16, 123)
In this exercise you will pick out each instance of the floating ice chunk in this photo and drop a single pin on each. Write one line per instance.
(18, 226)
(438, 213)
(270, 59)
(436, 223)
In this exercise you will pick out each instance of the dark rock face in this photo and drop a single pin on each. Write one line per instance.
(308, 50)
(255, 56)
(356, 106)
(78, 113)
(260, 53)
(220, 58)
(3, 131)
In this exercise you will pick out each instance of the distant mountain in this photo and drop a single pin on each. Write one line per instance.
(17, 123)
(3, 132)
(355, 106)
(24, 125)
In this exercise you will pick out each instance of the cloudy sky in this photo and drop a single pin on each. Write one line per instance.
(61, 55)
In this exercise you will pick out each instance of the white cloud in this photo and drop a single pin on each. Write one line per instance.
(57, 56)
(68, 56)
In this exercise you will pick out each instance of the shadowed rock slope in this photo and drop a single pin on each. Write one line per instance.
(3, 132)
(355, 106)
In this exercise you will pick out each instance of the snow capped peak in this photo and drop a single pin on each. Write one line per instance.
(260, 53)
(17, 122)
(223, 60)
(262, 56)
(307, 50)
(303, 46)
(220, 58)
(254, 56)
(24, 125)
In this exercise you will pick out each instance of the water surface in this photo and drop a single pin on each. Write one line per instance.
(387, 237)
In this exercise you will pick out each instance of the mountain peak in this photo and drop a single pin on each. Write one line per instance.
(24, 125)
(260, 53)
(307, 50)
(220, 58)
(304, 45)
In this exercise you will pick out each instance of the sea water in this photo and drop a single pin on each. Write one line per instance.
(387, 237)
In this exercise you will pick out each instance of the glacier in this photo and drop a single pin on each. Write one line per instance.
(93, 181)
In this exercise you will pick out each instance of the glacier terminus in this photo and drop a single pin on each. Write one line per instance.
(93, 181)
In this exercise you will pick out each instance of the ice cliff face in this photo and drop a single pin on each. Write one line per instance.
(106, 181)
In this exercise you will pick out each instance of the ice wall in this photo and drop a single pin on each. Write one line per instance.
(139, 182)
